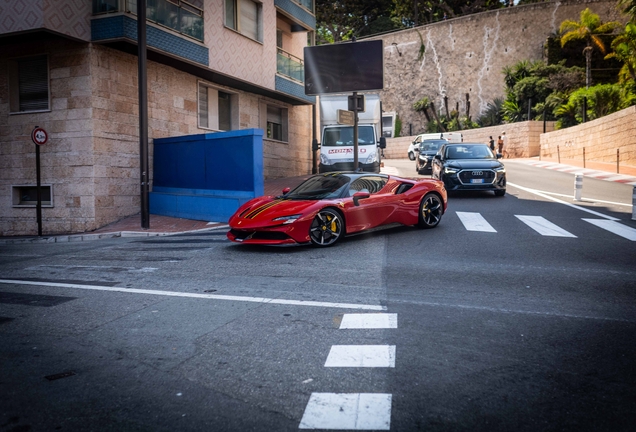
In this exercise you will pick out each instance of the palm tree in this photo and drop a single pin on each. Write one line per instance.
(589, 28)
(624, 46)
(628, 7)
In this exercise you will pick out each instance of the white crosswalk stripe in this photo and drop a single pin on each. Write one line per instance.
(544, 226)
(348, 411)
(614, 227)
(369, 321)
(361, 356)
(354, 411)
(475, 222)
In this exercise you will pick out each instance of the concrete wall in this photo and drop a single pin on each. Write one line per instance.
(466, 55)
(600, 138)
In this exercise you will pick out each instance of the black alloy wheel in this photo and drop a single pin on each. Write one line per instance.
(431, 211)
(326, 228)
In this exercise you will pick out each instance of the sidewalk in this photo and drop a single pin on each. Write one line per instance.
(165, 225)
(159, 225)
(600, 170)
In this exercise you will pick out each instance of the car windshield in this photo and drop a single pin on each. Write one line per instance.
(432, 145)
(477, 151)
(343, 136)
(326, 186)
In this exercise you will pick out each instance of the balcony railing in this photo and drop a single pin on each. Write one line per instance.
(176, 15)
(290, 66)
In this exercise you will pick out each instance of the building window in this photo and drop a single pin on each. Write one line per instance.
(217, 109)
(27, 195)
(244, 16)
(29, 84)
(276, 127)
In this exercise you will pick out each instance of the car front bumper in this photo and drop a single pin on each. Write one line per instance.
(460, 181)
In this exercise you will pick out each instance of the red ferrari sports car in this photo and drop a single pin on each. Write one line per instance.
(326, 207)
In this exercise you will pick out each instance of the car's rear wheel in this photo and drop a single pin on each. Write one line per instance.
(326, 228)
(411, 155)
(431, 211)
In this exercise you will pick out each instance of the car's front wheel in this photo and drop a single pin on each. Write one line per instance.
(431, 211)
(411, 155)
(500, 192)
(326, 228)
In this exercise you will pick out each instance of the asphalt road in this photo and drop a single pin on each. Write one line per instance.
(515, 313)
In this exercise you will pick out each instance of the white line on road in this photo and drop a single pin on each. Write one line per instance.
(541, 194)
(348, 411)
(590, 200)
(367, 356)
(544, 226)
(475, 222)
(369, 321)
(614, 227)
(202, 296)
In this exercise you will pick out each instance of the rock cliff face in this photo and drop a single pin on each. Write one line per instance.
(465, 56)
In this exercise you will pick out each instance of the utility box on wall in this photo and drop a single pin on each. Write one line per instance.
(207, 176)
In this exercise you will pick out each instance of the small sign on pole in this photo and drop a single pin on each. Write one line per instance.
(345, 117)
(39, 137)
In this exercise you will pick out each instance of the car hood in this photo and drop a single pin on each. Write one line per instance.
(269, 207)
(474, 163)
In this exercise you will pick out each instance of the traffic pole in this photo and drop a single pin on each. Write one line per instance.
(578, 186)
(634, 203)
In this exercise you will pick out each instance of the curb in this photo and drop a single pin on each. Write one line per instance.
(90, 237)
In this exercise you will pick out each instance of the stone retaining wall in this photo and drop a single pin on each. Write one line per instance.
(601, 138)
(523, 139)
(466, 55)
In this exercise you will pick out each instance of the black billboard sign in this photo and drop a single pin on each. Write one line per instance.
(344, 67)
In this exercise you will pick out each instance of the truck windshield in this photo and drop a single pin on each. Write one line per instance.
(343, 136)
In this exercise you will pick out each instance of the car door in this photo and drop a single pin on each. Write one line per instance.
(372, 211)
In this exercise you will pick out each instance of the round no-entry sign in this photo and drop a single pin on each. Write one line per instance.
(39, 136)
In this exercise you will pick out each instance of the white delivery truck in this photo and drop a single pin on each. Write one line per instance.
(336, 149)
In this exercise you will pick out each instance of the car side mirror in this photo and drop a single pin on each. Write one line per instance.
(286, 190)
(438, 157)
(499, 155)
(382, 142)
(358, 196)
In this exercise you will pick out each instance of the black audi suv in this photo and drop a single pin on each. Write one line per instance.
(469, 166)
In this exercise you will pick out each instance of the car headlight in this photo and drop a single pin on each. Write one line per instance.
(423, 157)
(287, 219)
(371, 158)
(324, 160)
(450, 170)
(501, 170)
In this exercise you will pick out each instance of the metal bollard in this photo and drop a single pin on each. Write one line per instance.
(578, 186)
(634, 203)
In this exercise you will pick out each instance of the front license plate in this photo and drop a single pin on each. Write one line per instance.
(476, 180)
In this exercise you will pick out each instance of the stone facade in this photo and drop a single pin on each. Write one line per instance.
(466, 55)
(92, 157)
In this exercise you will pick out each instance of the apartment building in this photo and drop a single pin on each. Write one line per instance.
(70, 67)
